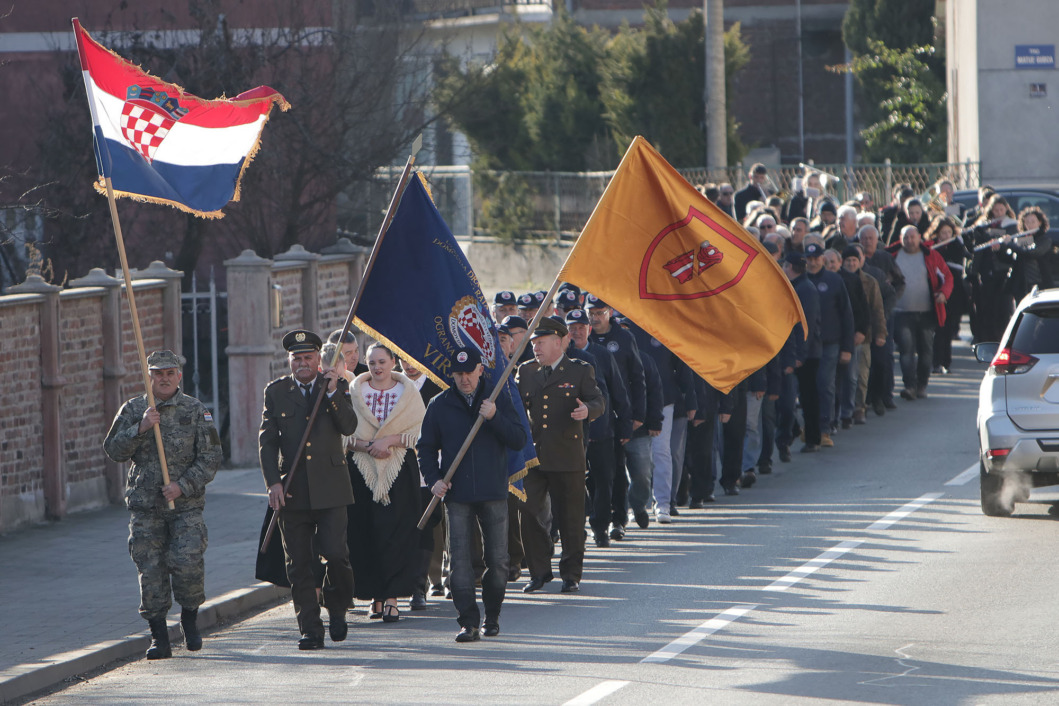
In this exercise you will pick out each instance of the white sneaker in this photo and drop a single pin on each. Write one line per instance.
(664, 518)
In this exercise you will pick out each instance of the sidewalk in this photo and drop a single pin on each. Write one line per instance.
(70, 597)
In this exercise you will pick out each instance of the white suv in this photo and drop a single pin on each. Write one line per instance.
(1018, 405)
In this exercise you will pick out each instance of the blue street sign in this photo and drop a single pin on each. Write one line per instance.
(1034, 56)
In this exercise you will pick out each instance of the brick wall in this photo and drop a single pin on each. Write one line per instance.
(81, 364)
(68, 366)
(21, 453)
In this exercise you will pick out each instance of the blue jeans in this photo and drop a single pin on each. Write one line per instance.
(638, 461)
(915, 340)
(825, 385)
(662, 457)
(491, 515)
(752, 441)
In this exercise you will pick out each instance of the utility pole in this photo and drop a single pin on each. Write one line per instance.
(716, 103)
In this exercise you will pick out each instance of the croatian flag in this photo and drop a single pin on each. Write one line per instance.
(158, 143)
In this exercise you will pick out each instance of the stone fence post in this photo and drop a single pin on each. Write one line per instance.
(113, 365)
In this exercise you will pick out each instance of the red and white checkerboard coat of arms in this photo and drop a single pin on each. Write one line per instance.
(147, 117)
(466, 318)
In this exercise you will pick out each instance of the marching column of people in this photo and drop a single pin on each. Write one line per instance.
(623, 429)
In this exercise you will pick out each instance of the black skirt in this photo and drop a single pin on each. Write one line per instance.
(383, 539)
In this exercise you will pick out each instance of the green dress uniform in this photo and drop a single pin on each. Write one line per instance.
(550, 395)
(319, 491)
(166, 545)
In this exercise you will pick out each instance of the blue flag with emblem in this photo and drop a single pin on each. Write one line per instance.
(423, 300)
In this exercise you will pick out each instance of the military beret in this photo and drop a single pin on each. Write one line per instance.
(594, 302)
(549, 326)
(576, 316)
(301, 341)
(504, 298)
(527, 301)
(465, 361)
(163, 360)
(814, 250)
(510, 323)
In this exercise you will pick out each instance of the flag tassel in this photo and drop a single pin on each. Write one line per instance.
(136, 329)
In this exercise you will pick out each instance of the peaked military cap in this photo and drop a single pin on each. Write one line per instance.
(549, 326)
(301, 341)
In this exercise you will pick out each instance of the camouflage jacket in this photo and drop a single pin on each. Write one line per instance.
(192, 451)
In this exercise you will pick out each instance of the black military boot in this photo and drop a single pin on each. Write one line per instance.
(159, 648)
(189, 622)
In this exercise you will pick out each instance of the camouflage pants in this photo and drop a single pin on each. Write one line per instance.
(168, 548)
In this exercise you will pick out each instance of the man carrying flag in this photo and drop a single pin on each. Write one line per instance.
(478, 489)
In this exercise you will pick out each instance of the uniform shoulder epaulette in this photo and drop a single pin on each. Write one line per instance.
(277, 381)
(528, 363)
(579, 361)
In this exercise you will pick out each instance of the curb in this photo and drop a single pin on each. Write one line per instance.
(26, 679)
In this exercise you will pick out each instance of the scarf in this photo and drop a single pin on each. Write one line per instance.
(405, 420)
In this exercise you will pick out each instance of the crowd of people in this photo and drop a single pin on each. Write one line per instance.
(625, 433)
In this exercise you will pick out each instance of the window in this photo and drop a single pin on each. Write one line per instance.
(1037, 331)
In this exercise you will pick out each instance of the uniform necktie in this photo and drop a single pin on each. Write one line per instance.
(547, 371)
(307, 389)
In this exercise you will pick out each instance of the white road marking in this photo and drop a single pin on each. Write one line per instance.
(904, 511)
(696, 636)
(598, 692)
(965, 476)
(810, 567)
(721, 621)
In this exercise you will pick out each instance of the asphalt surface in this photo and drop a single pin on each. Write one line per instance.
(864, 573)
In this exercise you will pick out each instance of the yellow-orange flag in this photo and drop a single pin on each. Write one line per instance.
(659, 252)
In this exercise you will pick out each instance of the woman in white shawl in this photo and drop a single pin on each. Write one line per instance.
(382, 533)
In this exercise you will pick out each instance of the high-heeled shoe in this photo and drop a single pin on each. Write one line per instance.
(374, 614)
(390, 613)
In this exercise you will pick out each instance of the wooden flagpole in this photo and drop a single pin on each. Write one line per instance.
(136, 329)
(416, 146)
(497, 389)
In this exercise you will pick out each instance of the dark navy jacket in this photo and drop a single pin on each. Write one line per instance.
(809, 296)
(836, 316)
(615, 421)
(482, 474)
(654, 415)
(621, 344)
(678, 385)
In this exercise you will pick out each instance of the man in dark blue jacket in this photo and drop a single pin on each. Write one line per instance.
(477, 493)
(836, 333)
(803, 361)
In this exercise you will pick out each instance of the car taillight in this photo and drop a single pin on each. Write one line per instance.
(1009, 361)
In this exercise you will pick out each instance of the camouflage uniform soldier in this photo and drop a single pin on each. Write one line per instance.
(167, 545)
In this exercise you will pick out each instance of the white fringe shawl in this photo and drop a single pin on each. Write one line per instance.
(405, 420)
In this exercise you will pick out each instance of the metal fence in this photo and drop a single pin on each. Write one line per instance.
(204, 314)
(556, 205)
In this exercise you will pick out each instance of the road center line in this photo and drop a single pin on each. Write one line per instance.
(596, 693)
(722, 620)
(696, 636)
(904, 511)
(809, 567)
(965, 476)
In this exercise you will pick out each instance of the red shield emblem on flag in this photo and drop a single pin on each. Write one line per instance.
(693, 258)
(466, 321)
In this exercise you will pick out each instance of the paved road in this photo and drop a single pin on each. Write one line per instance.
(865, 573)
